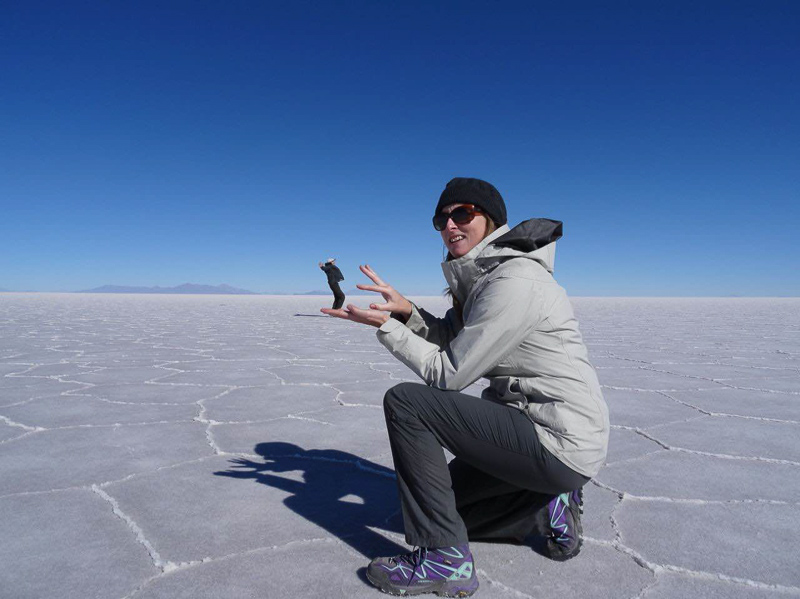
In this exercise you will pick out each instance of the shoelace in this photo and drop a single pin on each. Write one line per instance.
(413, 559)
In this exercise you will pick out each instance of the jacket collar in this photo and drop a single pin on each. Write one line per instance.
(461, 273)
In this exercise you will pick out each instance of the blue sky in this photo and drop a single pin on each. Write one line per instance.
(157, 143)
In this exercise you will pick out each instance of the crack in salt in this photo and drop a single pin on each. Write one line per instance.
(159, 563)
(723, 456)
(9, 422)
(697, 574)
(484, 577)
(656, 498)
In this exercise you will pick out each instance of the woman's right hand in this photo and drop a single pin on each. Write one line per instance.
(395, 303)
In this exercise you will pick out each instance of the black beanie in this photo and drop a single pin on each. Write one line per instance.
(464, 190)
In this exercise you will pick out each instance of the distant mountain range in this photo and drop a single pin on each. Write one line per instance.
(193, 288)
(186, 288)
(347, 292)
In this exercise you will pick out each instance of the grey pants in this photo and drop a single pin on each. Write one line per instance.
(499, 483)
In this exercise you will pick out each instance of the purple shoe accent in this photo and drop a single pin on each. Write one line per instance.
(565, 529)
(445, 571)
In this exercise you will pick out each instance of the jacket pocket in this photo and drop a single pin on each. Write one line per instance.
(526, 387)
(547, 415)
(506, 389)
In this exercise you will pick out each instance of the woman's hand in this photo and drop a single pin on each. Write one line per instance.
(374, 318)
(395, 304)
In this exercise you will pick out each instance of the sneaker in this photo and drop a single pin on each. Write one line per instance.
(445, 571)
(565, 530)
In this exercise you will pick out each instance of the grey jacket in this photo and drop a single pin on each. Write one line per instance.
(518, 331)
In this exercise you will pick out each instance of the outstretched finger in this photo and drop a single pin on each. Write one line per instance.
(355, 310)
(339, 313)
(381, 307)
(375, 288)
(367, 270)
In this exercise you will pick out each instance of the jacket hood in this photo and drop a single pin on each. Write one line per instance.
(531, 235)
(534, 239)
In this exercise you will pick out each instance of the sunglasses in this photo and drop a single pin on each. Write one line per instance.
(461, 216)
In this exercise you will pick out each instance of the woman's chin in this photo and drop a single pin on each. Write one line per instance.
(456, 250)
(459, 249)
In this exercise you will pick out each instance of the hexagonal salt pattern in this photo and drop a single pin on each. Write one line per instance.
(68, 544)
(224, 446)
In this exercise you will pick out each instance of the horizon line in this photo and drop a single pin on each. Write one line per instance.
(367, 294)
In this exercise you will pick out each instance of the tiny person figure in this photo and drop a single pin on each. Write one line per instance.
(334, 276)
(538, 433)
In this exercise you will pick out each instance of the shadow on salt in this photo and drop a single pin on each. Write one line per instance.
(338, 491)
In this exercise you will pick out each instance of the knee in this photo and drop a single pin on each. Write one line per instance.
(400, 397)
(396, 394)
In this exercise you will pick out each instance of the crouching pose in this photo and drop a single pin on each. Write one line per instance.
(538, 433)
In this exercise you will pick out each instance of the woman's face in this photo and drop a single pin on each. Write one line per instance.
(460, 239)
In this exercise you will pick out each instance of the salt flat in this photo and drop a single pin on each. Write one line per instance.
(234, 446)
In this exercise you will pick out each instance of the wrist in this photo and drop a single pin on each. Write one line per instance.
(404, 313)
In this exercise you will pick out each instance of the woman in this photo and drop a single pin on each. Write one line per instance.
(539, 432)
